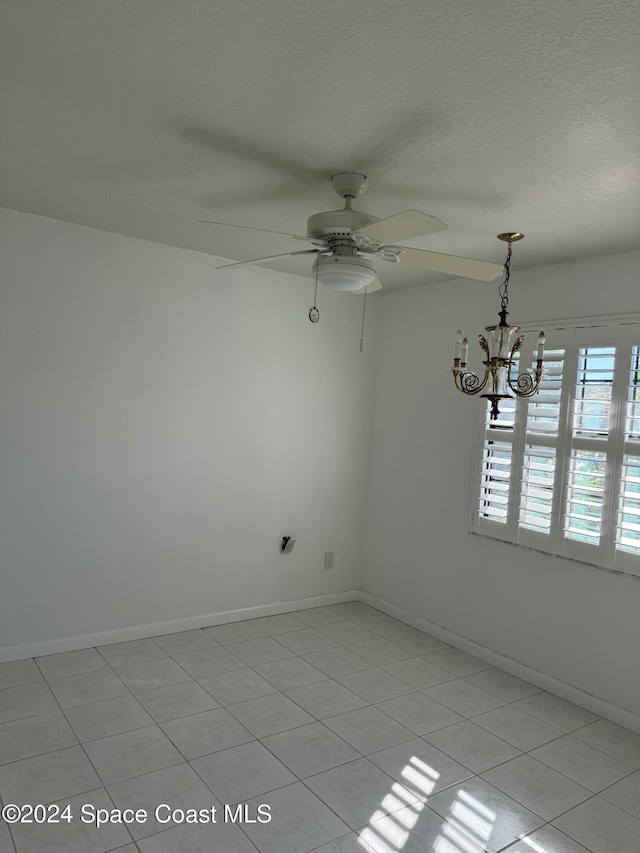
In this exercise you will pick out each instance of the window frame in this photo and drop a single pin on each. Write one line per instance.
(572, 335)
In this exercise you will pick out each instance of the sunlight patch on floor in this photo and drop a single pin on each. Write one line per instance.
(472, 817)
(536, 848)
(420, 775)
(470, 821)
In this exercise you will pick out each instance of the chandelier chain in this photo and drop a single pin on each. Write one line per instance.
(503, 290)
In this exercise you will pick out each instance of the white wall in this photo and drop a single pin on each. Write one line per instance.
(574, 622)
(162, 426)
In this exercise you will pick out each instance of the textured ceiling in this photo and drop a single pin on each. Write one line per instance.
(143, 117)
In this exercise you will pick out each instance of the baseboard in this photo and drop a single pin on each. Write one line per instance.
(157, 629)
(546, 682)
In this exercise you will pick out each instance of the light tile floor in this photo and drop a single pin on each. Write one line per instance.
(361, 734)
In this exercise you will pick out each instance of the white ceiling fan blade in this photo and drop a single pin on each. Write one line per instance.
(265, 260)
(450, 264)
(402, 226)
(249, 228)
(369, 288)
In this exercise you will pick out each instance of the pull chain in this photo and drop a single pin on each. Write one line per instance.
(314, 314)
(364, 308)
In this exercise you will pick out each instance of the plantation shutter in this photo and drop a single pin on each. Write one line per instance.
(589, 442)
(497, 474)
(541, 466)
(627, 534)
(560, 471)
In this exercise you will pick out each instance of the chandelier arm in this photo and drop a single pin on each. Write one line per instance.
(469, 383)
(526, 384)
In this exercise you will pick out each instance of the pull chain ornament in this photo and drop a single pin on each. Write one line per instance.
(499, 351)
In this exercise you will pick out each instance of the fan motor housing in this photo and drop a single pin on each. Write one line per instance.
(338, 223)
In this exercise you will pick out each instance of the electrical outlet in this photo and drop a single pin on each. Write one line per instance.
(328, 559)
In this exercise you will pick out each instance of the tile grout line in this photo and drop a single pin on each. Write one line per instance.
(321, 721)
(258, 740)
(366, 756)
(137, 776)
(265, 746)
(91, 764)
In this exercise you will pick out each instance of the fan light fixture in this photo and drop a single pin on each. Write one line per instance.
(344, 272)
(499, 351)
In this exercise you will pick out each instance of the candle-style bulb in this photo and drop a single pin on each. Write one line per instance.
(458, 344)
(541, 340)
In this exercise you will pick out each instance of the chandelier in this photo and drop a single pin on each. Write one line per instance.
(499, 349)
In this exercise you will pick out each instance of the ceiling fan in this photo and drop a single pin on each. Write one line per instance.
(347, 242)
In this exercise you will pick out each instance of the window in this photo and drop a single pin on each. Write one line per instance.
(560, 471)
